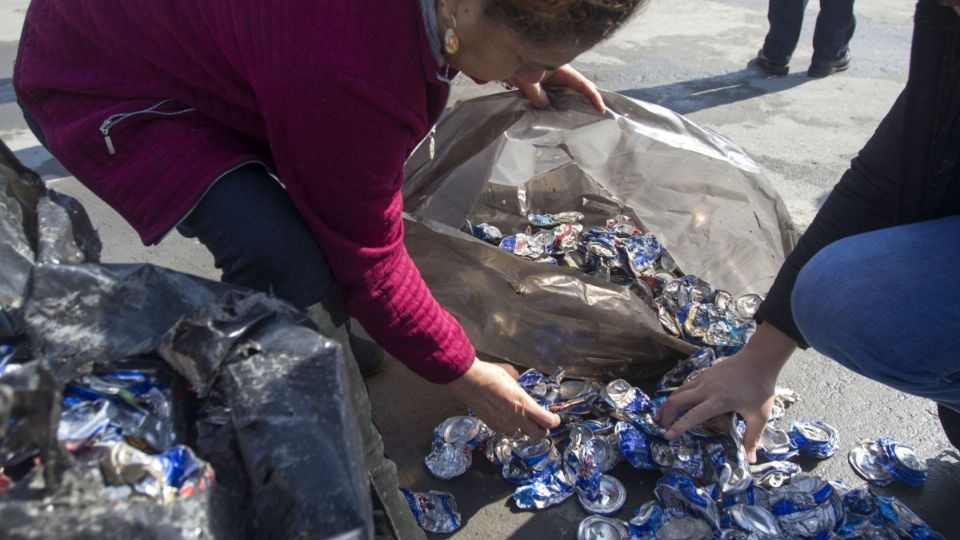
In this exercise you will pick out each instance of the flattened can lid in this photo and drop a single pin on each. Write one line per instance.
(602, 528)
(864, 458)
(610, 497)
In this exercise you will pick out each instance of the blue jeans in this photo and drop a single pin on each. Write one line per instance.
(886, 304)
(835, 26)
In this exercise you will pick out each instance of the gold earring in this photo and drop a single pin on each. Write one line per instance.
(451, 43)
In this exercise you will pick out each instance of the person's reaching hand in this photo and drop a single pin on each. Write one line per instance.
(744, 383)
(500, 402)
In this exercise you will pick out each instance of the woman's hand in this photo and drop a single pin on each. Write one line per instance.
(500, 402)
(562, 76)
(744, 383)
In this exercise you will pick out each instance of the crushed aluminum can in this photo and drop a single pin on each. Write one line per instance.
(534, 383)
(435, 511)
(568, 217)
(541, 220)
(183, 470)
(676, 489)
(635, 446)
(861, 517)
(667, 318)
(499, 448)
(608, 499)
(744, 492)
(782, 400)
(702, 359)
(666, 261)
(522, 245)
(641, 251)
(776, 444)
(575, 397)
(902, 462)
(814, 438)
(756, 520)
(865, 458)
(602, 246)
(602, 528)
(620, 395)
(600, 426)
(685, 528)
(901, 519)
(646, 520)
(622, 225)
(566, 236)
(454, 439)
(486, 232)
(774, 474)
(747, 305)
(549, 487)
(527, 459)
(177, 472)
(583, 468)
(807, 507)
(684, 453)
(123, 465)
(141, 405)
(90, 423)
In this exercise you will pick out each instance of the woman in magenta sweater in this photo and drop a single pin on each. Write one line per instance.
(275, 132)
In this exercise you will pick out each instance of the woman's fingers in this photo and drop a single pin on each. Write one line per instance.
(680, 399)
(534, 92)
(573, 79)
(751, 437)
(694, 417)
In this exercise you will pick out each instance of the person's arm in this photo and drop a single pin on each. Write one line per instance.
(339, 145)
(744, 383)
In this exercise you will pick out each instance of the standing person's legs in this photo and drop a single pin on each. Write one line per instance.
(259, 240)
(885, 304)
(831, 39)
(786, 20)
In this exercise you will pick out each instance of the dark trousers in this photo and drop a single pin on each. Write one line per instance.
(835, 26)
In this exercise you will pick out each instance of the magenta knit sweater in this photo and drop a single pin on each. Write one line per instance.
(332, 95)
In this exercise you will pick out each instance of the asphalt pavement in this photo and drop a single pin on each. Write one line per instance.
(690, 56)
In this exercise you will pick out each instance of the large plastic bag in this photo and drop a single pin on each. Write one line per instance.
(496, 159)
(284, 443)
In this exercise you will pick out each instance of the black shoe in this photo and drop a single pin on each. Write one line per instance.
(765, 64)
(370, 357)
(823, 69)
(950, 420)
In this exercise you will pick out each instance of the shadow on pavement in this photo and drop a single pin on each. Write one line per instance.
(694, 95)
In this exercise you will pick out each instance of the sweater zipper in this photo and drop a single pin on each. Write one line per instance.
(115, 119)
(209, 187)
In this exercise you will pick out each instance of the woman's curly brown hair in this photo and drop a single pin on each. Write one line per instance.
(581, 23)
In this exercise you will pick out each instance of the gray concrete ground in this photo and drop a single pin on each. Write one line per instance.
(690, 56)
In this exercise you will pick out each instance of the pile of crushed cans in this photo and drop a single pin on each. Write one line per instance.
(620, 252)
(123, 420)
(708, 489)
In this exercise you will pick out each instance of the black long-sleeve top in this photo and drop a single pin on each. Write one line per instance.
(907, 172)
